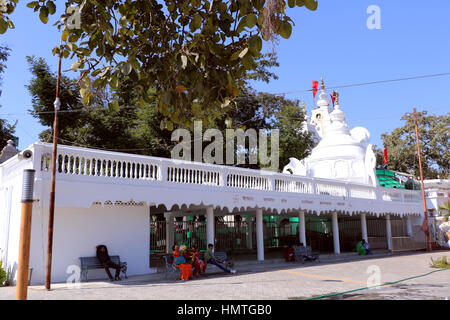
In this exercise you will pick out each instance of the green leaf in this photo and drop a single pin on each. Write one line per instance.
(114, 106)
(299, 3)
(10, 23)
(65, 35)
(51, 7)
(291, 3)
(87, 98)
(114, 82)
(255, 45)
(196, 22)
(285, 29)
(169, 125)
(83, 92)
(3, 26)
(250, 20)
(311, 4)
(32, 4)
(126, 68)
(109, 38)
(43, 14)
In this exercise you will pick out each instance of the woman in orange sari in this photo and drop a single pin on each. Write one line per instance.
(199, 265)
(180, 262)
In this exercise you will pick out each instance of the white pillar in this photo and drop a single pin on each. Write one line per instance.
(409, 225)
(364, 227)
(334, 221)
(209, 225)
(301, 226)
(250, 234)
(388, 232)
(259, 234)
(169, 232)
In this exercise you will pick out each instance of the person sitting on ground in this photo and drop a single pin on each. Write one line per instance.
(210, 258)
(199, 264)
(360, 248)
(366, 246)
(105, 260)
(289, 255)
(180, 262)
(305, 256)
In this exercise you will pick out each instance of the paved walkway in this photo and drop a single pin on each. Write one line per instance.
(275, 280)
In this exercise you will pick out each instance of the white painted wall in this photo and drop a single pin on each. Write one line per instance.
(10, 207)
(77, 231)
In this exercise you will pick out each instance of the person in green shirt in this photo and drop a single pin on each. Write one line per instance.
(360, 248)
(209, 258)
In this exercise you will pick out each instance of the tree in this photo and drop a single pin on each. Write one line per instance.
(101, 125)
(135, 128)
(193, 54)
(6, 129)
(293, 141)
(446, 208)
(434, 145)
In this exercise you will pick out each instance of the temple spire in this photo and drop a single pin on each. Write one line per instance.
(304, 106)
(322, 85)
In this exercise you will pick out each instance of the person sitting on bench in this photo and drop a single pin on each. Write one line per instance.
(289, 255)
(209, 258)
(105, 260)
(366, 246)
(305, 256)
(362, 247)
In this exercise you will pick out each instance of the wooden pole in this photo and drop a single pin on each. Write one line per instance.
(421, 179)
(51, 215)
(25, 235)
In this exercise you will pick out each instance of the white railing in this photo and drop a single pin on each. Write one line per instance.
(391, 194)
(96, 163)
(356, 191)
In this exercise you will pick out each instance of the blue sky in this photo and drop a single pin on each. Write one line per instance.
(332, 42)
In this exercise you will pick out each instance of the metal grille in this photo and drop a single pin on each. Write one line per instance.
(233, 235)
(157, 237)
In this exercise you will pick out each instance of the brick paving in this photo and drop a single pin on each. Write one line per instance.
(273, 280)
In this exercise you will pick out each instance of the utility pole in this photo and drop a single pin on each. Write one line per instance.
(51, 215)
(25, 235)
(421, 179)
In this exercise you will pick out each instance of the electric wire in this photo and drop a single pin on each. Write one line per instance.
(369, 83)
(280, 93)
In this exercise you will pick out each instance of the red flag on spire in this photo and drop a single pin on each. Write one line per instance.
(385, 156)
(333, 97)
(315, 85)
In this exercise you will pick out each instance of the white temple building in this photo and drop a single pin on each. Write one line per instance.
(109, 198)
(341, 153)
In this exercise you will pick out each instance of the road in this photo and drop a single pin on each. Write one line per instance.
(284, 281)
